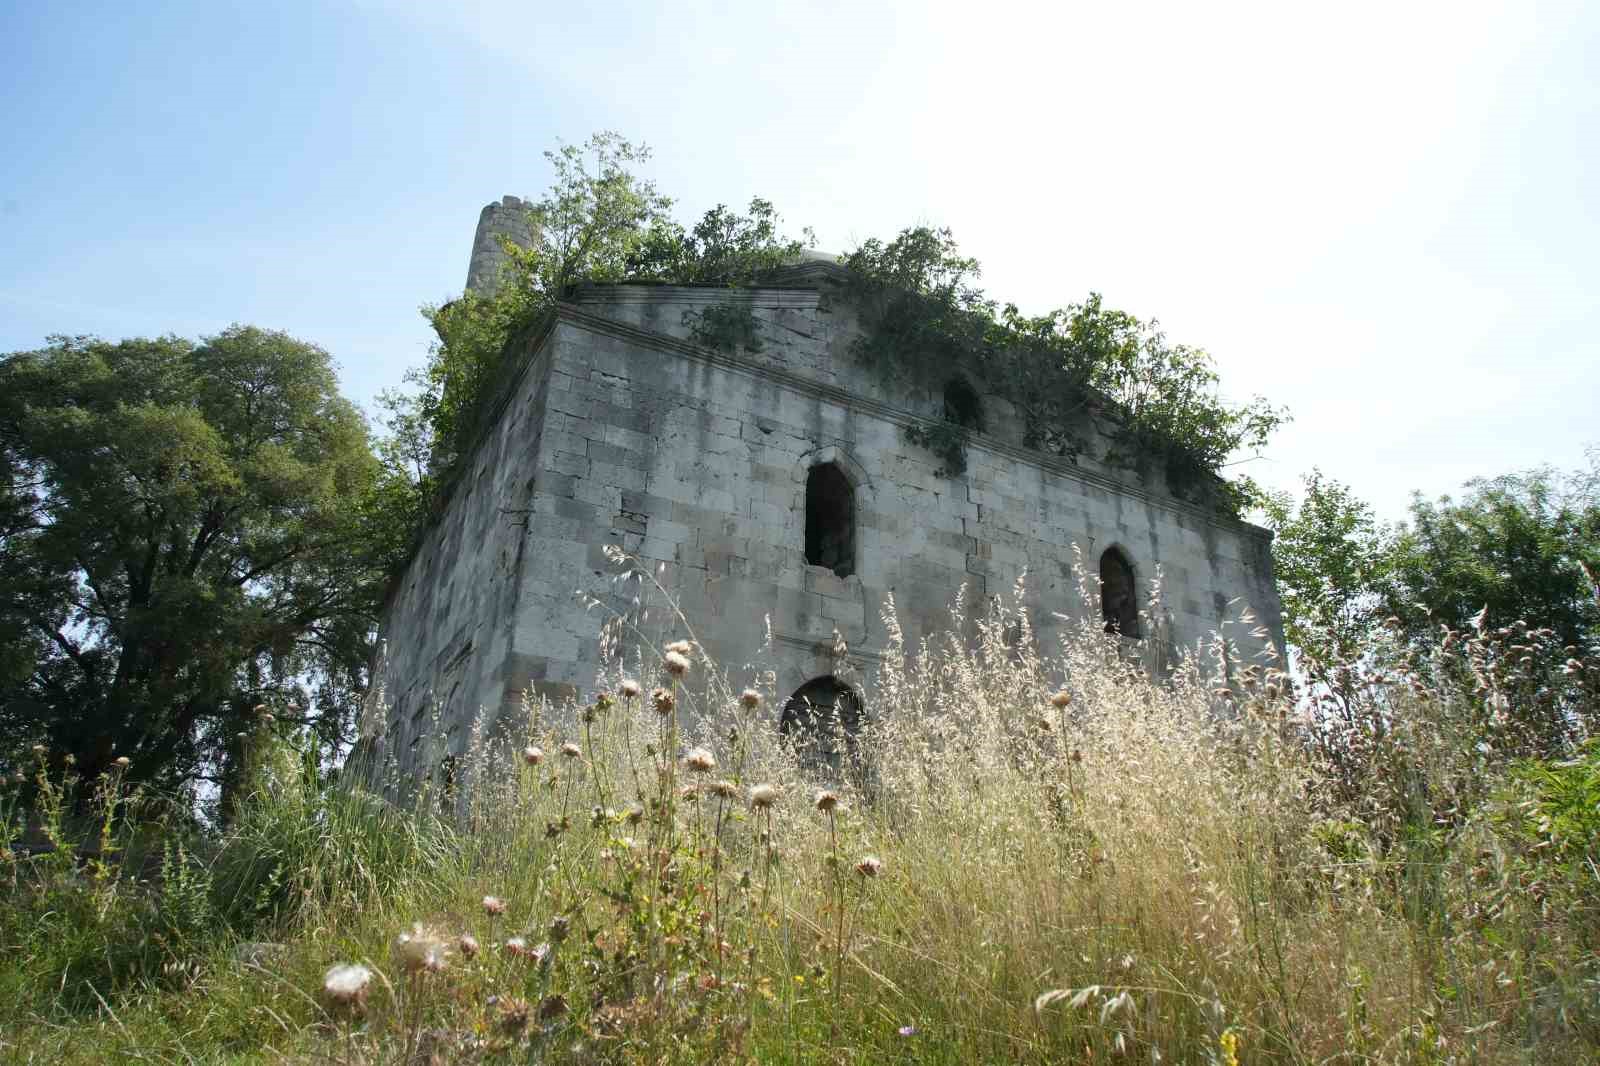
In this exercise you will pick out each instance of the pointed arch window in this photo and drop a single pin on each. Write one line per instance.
(962, 406)
(1119, 594)
(830, 519)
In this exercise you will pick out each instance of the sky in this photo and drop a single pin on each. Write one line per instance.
(1384, 217)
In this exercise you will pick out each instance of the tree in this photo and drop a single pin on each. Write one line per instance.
(590, 226)
(920, 296)
(599, 221)
(183, 535)
(1515, 548)
(1333, 561)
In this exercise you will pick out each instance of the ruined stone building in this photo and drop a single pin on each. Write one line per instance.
(779, 478)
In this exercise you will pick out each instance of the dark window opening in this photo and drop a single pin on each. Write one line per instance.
(822, 721)
(961, 405)
(830, 520)
(448, 769)
(1119, 596)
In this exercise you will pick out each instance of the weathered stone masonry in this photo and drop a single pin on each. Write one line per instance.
(620, 430)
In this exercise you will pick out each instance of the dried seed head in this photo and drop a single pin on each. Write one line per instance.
(724, 789)
(345, 985)
(679, 647)
(826, 801)
(467, 945)
(634, 814)
(762, 797)
(700, 760)
(750, 698)
(514, 1016)
(869, 866)
(121, 762)
(571, 750)
(533, 755)
(663, 701)
(517, 946)
(629, 689)
(494, 906)
(677, 665)
(421, 949)
(1060, 699)
(560, 926)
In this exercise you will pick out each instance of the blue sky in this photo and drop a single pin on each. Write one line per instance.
(1385, 217)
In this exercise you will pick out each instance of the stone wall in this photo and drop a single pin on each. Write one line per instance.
(623, 431)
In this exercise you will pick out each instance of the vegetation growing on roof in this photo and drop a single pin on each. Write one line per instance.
(925, 313)
(601, 222)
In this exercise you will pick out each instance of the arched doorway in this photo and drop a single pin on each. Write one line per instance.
(822, 722)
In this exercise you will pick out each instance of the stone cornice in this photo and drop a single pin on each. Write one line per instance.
(582, 318)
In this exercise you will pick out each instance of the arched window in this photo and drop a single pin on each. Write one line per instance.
(830, 519)
(961, 405)
(1119, 595)
(822, 721)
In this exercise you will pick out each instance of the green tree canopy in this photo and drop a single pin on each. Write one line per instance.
(1515, 547)
(599, 221)
(924, 306)
(183, 530)
(1333, 561)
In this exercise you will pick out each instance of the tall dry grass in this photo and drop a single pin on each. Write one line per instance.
(1031, 854)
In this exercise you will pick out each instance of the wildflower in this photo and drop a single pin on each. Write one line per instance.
(571, 750)
(345, 985)
(762, 797)
(468, 945)
(629, 689)
(677, 665)
(533, 755)
(634, 814)
(560, 925)
(750, 698)
(494, 906)
(1060, 700)
(700, 760)
(724, 789)
(826, 801)
(663, 700)
(121, 762)
(907, 1030)
(1228, 1042)
(679, 647)
(421, 949)
(517, 946)
(869, 866)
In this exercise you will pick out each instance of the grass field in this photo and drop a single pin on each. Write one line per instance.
(1031, 855)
